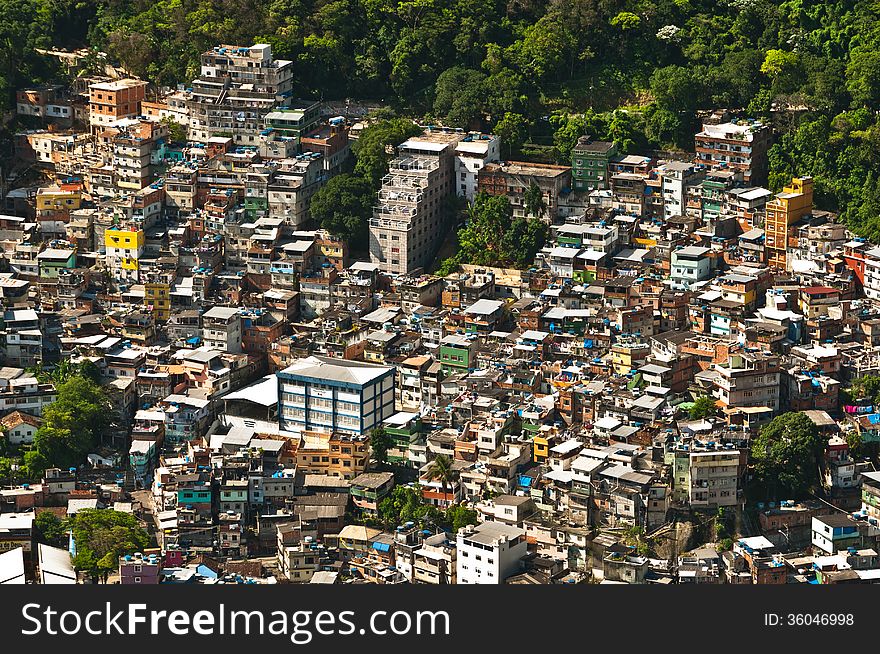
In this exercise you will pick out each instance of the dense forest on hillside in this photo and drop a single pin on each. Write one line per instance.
(538, 72)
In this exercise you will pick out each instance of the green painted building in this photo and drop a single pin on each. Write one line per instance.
(457, 353)
(589, 164)
(713, 190)
(295, 120)
(405, 429)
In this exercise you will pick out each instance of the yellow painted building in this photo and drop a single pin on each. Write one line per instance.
(54, 198)
(784, 212)
(124, 251)
(158, 296)
(628, 356)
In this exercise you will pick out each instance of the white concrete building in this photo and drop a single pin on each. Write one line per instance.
(472, 153)
(489, 553)
(411, 217)
(335, 395)
(677, 176)
(221, 329)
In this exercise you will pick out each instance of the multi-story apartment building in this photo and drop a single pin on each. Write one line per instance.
(181, 182)
(871, 265)
(736, 146)
(21, 341)
(48, 102)
(628, 193)
(137, 150)
(435, 561)
(690, 265)
(589, 164)
(124, 249)
(412, 213)
(677, 177)
(317, 394)
(714, 477)
(185, 418)
(235, 91)
(110, 102)
(289, 189)
(472, 153)
(338, 454)
(294, 119)
(749, 379)
(139, 569)
(514, 178)
(489, 553)
(783, 213)
(221, 329)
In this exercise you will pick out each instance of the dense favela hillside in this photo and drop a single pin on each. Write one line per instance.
(537, 73)
(448, 294)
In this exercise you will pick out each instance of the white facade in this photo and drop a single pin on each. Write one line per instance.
(489, 553)
(872, 273)
(472, 153)
(334, 395)
(221, 329)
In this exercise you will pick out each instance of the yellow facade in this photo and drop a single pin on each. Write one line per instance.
(540, 448)
(58, 200)
(158, 296)
(331, 250)
(782, 213)
(126, 239)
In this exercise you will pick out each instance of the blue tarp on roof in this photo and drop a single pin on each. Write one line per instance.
(382, 547)
(193, 340)
(874, 418)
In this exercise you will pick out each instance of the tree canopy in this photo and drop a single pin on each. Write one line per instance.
(101, 536)
(786, 454)
(372, 147)
(703, 407)
(343, 207)
(641, 68)
(72, 426)
(493, 237)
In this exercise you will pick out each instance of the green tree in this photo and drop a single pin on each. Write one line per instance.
(784, 70)
(176, 131)
(459, 96)
(568, 128)
(50, 527)
(533, 201)
(479, 240)
(703, 407)
(866, 387)
(675, 88)
(72, 425)
(863, 76)
(458, 516)
(380, 443)
(512, 129)
(786, 454)
(6, 472)
(371, 147)
(405, 504)
(441, 469)
(34, 464)
(522, 240)
(101, 536)
(343, 206)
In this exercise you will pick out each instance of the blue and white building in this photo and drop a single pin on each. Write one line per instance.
(334, 395)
